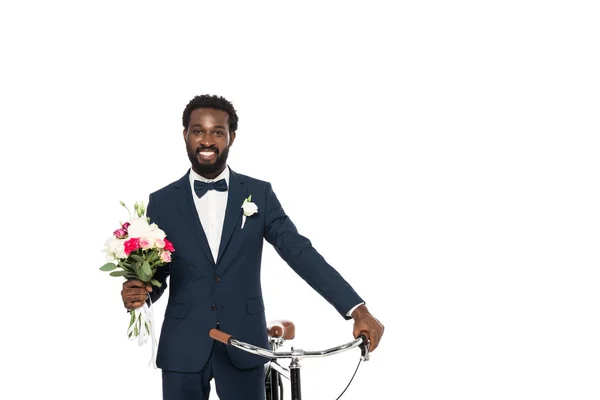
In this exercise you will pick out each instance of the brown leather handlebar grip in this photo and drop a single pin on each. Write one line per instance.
(219, 335)
(285, 329)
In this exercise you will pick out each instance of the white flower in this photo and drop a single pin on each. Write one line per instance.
(115, 249)
(249, 209)
(140, 228)
(157, 233)
(110, 256)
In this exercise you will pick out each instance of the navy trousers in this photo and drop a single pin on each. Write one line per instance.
(231, 383)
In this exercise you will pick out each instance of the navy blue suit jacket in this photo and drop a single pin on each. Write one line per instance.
(227, 290)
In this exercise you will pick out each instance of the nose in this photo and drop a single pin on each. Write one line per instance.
(206, 140)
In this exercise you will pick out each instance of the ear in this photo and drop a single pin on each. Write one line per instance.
(184, 134)
(231, 138)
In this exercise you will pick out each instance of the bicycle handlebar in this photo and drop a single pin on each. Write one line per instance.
(227, 339)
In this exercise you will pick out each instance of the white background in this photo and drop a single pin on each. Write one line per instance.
(443, 156)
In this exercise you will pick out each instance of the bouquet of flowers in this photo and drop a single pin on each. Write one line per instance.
(138, 248)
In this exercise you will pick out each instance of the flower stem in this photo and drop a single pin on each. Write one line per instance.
(123, 204)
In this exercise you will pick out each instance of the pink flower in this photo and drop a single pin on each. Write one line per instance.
(120, 233)
(126, 225)
(159, 243)
(165, 256)
(145, 243)
(131, 245)
(169, 246)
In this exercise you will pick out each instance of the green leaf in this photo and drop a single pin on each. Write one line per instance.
(138, 271)
(142, 275)
(108, 267)
(128, 268)
(156, 283)
(118, 273)
(152, 256)
(137, 258)
(146, 268)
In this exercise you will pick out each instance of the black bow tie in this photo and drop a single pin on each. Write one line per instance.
(202, 187)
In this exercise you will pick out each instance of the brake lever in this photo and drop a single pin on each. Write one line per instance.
(364, 348)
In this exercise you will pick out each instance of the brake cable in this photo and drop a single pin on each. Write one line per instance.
(351, 379)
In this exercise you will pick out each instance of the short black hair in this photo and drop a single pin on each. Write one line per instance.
(211, 101)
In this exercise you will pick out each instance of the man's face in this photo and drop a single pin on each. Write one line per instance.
(207, 141)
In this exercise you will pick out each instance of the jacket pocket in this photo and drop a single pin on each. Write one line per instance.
(255, 305)
(175, 311)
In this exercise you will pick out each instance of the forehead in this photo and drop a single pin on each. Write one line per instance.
(209, 116)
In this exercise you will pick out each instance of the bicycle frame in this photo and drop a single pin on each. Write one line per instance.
(295, 355)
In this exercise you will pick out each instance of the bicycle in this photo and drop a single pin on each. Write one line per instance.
(278, 333)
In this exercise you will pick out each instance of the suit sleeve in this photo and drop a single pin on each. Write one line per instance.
(161, 272)
(298, 252)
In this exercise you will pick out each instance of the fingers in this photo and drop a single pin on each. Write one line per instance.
(136, 283)
(358, 331)
(133, 283)
(369, 335)
(134, 293)
(372, 329)
(134, 302)
(133, 305)
(375, 333)
(375, 337)
(134, 297)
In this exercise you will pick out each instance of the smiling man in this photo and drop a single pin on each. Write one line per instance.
(214, 275)
(207, 139)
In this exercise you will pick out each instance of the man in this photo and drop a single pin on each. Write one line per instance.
(215, 269)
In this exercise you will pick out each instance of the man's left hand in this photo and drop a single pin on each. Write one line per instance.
(368, 325)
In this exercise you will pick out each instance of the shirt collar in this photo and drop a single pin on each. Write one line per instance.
(196, 177)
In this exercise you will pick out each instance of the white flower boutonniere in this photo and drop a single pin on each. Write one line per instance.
(249, 209)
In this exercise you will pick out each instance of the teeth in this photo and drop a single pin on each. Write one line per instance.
(207, 153)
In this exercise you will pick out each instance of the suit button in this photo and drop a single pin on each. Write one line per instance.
(217, 279)
(213, 307)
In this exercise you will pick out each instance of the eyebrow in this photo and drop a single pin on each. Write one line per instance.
(216, 126)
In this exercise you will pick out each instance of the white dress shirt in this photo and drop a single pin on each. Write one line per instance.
(211, 210)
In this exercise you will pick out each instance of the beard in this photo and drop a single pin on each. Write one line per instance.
(204, 168)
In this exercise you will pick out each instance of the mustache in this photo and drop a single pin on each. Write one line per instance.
(212, 147)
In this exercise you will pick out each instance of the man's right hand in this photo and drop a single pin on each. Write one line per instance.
(134, 293)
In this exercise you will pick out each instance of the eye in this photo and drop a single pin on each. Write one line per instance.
(196, 131)
(219, 133)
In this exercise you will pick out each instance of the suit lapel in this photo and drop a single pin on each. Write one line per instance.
(187, 208)
(236, 194)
